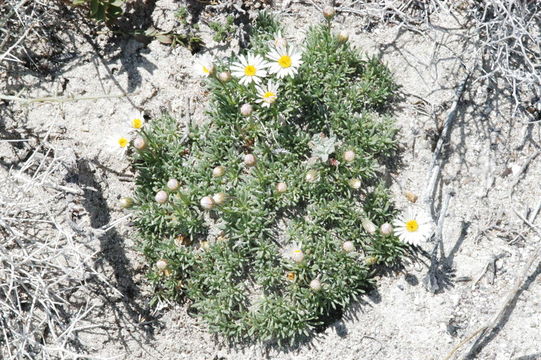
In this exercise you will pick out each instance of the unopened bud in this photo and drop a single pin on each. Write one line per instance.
(250, 160)
(173, 184)
(349, 156)
(219, 198)
(207, 203)
(161, 264)
(355, 184)
(386, 229)
(343, 36)
(224, 76)
(315, 285)
(312, 176)
(139, 143)
(126, 203)
(161, 197)
(348, 246)
(368, 226)
(246, 110)
(329, 12)
(281, 187)
(218, 171)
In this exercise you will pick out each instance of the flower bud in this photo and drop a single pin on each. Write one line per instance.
(372, 260)
(218, 171)
(368, 226)
(126, 203)
(297, 256)
(246, 110)
(173, 184)
(312, 176)
(343, 36)
(349, 156)
(315, 285)
(207, 203)
(348, 246)
(139, 143)
(250, 160)
(281, 187)
(161, 197)
(219, 198)
(161, 264)
(355, 184)
(224, 76)
(411, 196)
(386, 229)
(329, 12)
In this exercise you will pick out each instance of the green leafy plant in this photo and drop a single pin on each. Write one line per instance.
(267, 217)
(223, 31)
(102, 10)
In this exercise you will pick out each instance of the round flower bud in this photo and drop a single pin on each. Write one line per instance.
(355, 184)
(343, 36)
(312, 176)
(329, 12)
(281, 187)
(372, 260)
(219, 198)
(161, 197)
(386, 229)
(139, 143)
(250, 160)
(315, 285)
(297, 256)
(126, 203)
(161, 264)
(349, 156)
(207, 203)
(224, 76)
(348, 246)
(218, 171)
(246, 110)
(368, 226)
(173, 184)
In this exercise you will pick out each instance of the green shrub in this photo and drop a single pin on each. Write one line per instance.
(295, 232)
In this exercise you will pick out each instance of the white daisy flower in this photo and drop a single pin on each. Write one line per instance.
(119, 141)
(136, 121)
(267, 95)
(413, 227)
(285, 61)
(249, 69)
(204, 66)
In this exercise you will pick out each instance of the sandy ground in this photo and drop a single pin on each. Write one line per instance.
(401, 319)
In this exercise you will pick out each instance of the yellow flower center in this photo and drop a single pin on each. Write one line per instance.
(123, 142)
(284, 61)
(205, 69)
(269, 96)
(250, 70)
(137, 123)
(412, 225)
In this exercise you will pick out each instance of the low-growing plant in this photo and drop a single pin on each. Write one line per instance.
(223, 31)
(102, 10)
(273, 213)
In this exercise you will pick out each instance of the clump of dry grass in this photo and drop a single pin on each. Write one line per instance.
(42, 267)
(504, 34)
